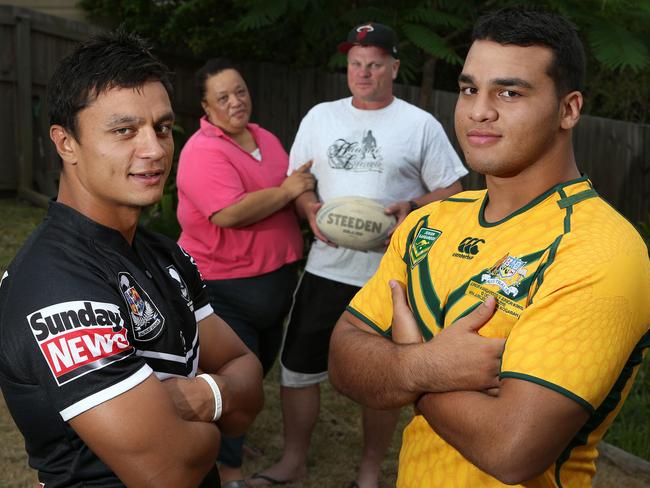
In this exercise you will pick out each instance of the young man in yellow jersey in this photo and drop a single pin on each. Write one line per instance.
(538, 259)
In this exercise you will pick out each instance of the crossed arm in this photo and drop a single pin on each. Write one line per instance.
(160, 433)
(141, 437)
(237, 372)
(383, 374)
(513, 436)
(257, 205)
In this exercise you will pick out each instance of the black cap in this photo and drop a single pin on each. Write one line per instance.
(371, 34)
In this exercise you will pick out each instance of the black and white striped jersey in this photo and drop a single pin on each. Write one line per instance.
(84, 317)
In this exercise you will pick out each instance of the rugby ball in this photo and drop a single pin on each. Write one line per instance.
(355, 222)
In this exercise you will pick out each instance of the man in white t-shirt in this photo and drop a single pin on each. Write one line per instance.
(372, 145)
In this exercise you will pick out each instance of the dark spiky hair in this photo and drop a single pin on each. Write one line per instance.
(115, 60)
(527, 26)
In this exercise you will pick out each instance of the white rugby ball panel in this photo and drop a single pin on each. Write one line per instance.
(355, 222)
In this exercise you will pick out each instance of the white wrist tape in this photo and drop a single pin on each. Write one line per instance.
(215, 392)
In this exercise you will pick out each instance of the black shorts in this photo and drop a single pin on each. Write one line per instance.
(255, 308)
(318, 303)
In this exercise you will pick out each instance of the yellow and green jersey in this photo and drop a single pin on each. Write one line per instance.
(572, 281)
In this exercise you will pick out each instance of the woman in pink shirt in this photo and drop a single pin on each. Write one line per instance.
(238, 222)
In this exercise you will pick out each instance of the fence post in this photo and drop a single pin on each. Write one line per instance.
(25, 120)
(24, 101)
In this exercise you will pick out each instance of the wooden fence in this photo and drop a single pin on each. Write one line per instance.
(31, 44)
(615, 154)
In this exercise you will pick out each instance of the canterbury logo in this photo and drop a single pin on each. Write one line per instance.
(469, 245)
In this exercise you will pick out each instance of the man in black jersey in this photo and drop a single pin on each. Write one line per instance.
(101, 320)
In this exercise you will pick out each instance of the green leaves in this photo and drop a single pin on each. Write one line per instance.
(617, 48)
(305, 33)
(262, 13)
(434, 17)
(430, 42)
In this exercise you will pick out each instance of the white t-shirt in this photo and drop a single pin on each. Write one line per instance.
(396, 153)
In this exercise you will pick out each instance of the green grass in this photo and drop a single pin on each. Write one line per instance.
(336, 443)
(17, 220)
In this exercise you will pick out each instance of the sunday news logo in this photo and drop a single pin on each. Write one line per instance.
(78, 337)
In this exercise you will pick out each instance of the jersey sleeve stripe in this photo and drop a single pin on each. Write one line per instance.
(162, 355)
(542, 269)
(195, 362)
(569, 211)
(460, 200)
(193, 355)
(172, 357)
(409, 240)
(578, 197)
(467, 312)
(366, 320)
(608, 405)
(106, 394)
(203, 312)
(431, 299)
(547, 384)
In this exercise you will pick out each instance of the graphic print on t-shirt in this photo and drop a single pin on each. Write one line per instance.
(358, 156)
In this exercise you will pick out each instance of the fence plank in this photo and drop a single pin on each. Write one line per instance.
(8, 161)
(24, 134)
(644, 213)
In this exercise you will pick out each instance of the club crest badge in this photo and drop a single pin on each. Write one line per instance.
(507, 273)
(146, 319)
(421, 245)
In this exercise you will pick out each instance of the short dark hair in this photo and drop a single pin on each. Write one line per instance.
(212, 67)
(526, 26)
(115, 60)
